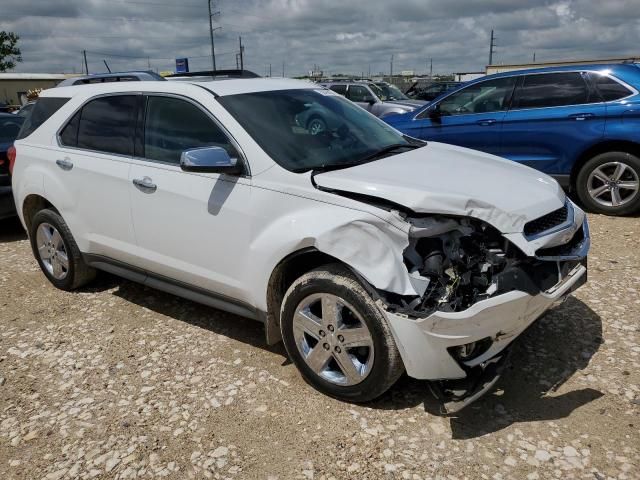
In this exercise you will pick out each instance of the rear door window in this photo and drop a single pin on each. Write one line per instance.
(552, 90)
(107, 124)
(609, 88)
(341, 89)
(45, 107)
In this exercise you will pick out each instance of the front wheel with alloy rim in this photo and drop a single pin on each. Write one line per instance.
(609, 183)
(337, 336)
(56, 251)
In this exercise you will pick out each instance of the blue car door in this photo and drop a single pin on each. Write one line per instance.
(471, 117)
(553, 118)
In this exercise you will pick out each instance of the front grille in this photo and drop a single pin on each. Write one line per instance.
(566, 249)
(546, 222)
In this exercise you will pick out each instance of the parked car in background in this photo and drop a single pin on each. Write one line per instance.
(9, 127)
(579, 124)
(25, 109)
(366, 251)
(376, 99)
(429, 90)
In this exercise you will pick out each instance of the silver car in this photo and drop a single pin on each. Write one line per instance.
(379, 98)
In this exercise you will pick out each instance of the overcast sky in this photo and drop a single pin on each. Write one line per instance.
(341, 36)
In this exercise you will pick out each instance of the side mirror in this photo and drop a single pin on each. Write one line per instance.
(434, 112)
(369, 99)
(210, 160)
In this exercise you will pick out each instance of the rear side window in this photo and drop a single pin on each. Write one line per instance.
(552, 90)
(45, 107)
(69, 134)
(107, 124)
(341, 89)
(174, 125)
(609, 89)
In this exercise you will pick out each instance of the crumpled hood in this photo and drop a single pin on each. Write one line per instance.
(450, 180)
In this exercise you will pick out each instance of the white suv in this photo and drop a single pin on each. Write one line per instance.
(367, 252)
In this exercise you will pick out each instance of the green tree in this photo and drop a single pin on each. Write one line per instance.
(9, 52)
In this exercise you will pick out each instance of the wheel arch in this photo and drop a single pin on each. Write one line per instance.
(31, 205)
(283, 275)
(602, 147)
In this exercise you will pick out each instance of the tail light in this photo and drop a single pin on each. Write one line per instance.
(11, 155)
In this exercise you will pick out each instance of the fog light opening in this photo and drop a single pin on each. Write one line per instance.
(469, 351)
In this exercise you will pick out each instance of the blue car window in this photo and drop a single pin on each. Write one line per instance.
(552, 90)
(609, 88)
(483, 97)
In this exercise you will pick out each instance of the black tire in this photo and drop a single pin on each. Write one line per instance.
(336, 280)
(78, 272)
(582, 183)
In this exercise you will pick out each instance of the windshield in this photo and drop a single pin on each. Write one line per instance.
(311, 129)
(389, 92)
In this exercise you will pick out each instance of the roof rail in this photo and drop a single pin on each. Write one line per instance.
(217, 74)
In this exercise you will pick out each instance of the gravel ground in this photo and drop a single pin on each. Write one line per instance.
(121, 381)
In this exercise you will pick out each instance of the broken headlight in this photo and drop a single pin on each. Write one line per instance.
(453, 263)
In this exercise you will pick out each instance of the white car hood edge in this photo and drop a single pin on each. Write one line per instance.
(449, 180)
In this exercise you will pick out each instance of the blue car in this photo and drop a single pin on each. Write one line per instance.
(579, 124)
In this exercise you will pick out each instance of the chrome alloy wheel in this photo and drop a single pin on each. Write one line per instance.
(52, 251)
(613, 184)
(333, 339)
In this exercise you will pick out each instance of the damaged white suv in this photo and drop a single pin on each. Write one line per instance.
(367, 252)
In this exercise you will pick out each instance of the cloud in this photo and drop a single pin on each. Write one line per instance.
(351, 36)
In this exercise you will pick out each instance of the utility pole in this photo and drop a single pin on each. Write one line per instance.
(369, 74)
(241, 54)
(149, 62)
(391, 69)
(492, 46)
(534, 57)
(282, 69)
(86, 68)
(107, 65)
(211, 29)
(269, 70)
(431, 69)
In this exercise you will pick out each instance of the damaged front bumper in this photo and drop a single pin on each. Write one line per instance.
(426, 344)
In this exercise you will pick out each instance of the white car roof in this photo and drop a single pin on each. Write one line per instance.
(218, 87)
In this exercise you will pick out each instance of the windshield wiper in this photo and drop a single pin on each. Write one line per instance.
(384, 151)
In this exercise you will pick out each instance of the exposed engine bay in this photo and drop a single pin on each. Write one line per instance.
(457, 262)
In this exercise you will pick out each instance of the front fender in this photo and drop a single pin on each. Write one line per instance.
(369, 245)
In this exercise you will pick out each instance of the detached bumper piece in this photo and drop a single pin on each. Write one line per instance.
(458, 394)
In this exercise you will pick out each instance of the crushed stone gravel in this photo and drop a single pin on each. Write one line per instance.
(119, 381)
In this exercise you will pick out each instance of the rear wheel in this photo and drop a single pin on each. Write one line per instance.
(56, 251)
(337, 336)
(609, 183)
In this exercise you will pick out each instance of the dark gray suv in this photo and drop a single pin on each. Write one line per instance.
(379, 98)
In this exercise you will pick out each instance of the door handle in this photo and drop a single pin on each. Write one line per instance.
(581, 116)
(145, 184)
(65, 164)
(486, 122)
